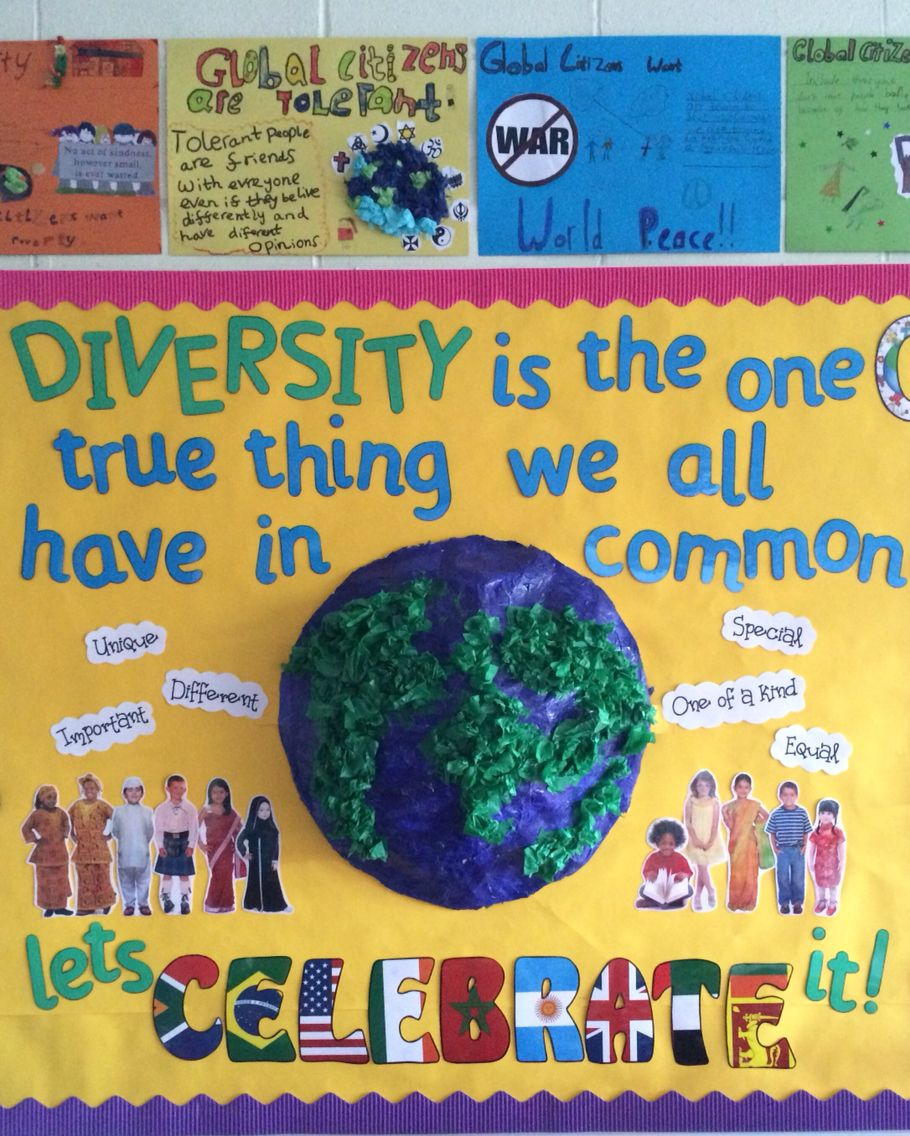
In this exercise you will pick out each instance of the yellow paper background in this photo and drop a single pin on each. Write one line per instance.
(842, 459)
(330, 213)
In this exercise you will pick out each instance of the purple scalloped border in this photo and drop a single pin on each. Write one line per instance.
(501, 1113)
(443, 288)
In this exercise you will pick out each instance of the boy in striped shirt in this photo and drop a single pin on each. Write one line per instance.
(789, 827)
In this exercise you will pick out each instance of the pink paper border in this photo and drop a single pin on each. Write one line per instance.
(445, 287)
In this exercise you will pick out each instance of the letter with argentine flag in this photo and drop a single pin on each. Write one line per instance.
(545, 987)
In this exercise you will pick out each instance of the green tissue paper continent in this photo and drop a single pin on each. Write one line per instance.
(485, 747)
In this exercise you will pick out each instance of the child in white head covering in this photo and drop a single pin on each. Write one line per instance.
(133, 826)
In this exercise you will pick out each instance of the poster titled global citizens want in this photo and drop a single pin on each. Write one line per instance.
(637, 144)
(467, 701)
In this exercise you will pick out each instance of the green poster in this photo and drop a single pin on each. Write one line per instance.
(848, 145)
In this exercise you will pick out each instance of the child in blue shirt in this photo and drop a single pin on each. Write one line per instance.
(789, 827)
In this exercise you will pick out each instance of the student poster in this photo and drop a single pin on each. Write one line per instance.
(199, 462)
(628, 144)
(79, 147)
(848, 144)
(281, 147)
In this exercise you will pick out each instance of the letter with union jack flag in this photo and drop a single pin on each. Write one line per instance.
(619, 1005)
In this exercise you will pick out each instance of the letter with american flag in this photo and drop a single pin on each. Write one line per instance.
(316, 1006)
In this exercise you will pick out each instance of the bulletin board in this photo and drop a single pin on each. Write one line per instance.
(194, 464)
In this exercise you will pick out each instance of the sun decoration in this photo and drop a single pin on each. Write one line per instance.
(548, 1009)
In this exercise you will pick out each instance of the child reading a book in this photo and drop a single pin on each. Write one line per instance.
(666, 872)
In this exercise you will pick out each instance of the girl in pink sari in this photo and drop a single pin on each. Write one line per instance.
(218, 828)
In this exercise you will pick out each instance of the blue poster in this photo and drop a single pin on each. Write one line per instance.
(629, 144)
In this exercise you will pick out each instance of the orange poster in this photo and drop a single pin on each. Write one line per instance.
(79, 147)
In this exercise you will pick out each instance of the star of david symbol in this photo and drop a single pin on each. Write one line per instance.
(406, 132)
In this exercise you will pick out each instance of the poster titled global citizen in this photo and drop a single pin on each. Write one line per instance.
(455, 701)
(629, 144)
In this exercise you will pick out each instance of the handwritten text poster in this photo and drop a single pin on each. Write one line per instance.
(848, 144)
(628, 145)
(264, 137)
(79, 147)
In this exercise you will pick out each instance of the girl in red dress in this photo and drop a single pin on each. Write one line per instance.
(826, 857)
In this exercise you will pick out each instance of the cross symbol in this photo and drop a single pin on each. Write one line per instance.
(340, 161)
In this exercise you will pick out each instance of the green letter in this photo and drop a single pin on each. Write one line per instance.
(66, 966)
(390, 345)
(441, 356)
(307, 358)
(187, 374)
(240, 358)
(138, 374)
(96, 936)
(36, 974)
(125, 955)
(20, 336)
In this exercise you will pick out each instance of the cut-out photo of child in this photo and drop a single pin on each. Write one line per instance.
(742, 815)
(176, 832)
(258, 844)
(789, 828)
(826, 856)
(133, 826)
(666, 872)
(219, 825)
(706, 848)
(47, 826)
(90, 817)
